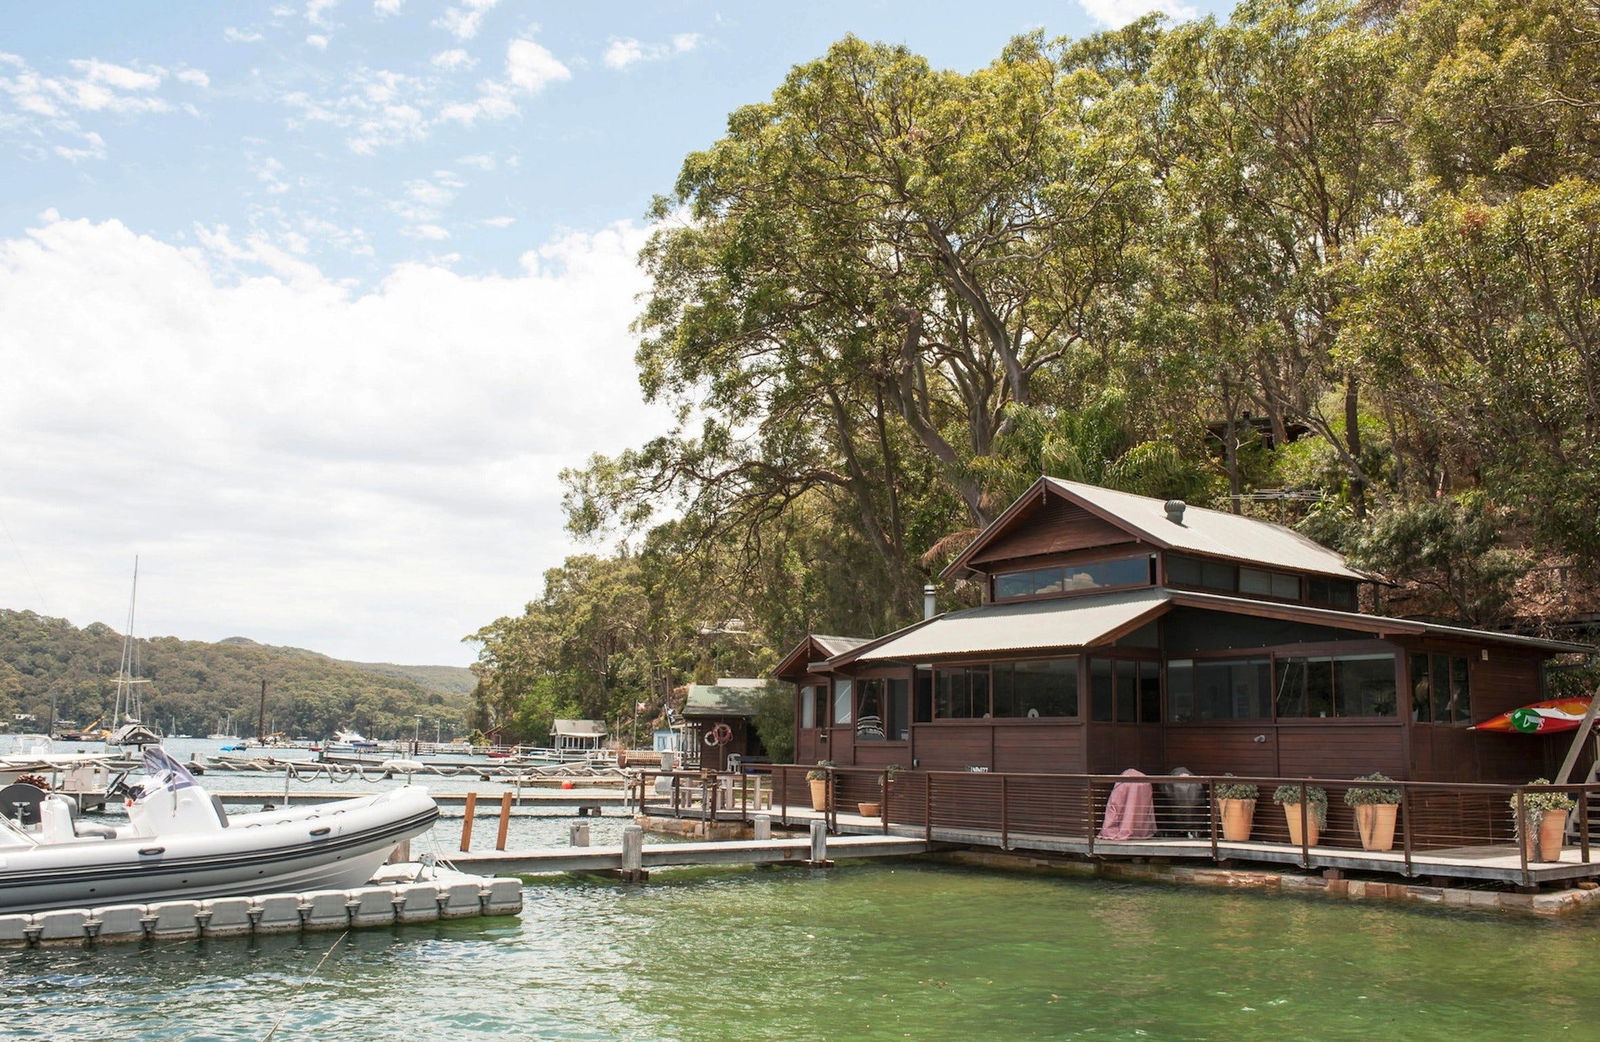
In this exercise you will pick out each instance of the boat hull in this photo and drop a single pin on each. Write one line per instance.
(325, 846)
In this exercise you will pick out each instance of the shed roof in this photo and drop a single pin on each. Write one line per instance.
(1021, 626)
(1213, 533)
(578, 727)
(1067, 623)
(729, 696)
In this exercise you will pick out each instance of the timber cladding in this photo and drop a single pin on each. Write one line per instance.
(1059, 527)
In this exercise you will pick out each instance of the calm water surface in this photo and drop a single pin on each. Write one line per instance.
(858, 952)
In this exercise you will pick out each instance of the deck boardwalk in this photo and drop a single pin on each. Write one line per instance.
(731, 852)
(1491, 863)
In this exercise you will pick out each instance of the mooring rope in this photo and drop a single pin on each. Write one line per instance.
(314, 970)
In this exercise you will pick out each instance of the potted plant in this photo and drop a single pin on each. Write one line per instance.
(1546, 814)
(818, 776)
(1236, 803)
(1314, 814)
(873, 808)
(1376, 805)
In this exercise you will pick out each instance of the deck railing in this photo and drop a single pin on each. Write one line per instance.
(1009, 809)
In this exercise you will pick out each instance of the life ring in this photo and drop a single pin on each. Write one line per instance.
(721, 734)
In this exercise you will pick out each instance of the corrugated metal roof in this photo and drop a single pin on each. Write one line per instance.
(1213, 532)
(1069, 622)
(839, 645)
(729, 696)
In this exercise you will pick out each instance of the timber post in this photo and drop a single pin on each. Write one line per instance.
(819, 845)
(633, 855)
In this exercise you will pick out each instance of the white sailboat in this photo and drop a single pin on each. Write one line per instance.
(127, 708)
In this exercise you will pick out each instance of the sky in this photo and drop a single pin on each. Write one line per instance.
(306, 305)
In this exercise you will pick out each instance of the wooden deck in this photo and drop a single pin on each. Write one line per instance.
(1471, 842)
(656, 855)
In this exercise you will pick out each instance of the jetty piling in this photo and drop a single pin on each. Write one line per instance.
(505, 820)
(466, 822)
(633, 855)
(819, 845)
(579, 834)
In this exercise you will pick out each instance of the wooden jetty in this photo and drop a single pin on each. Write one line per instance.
(818, 848)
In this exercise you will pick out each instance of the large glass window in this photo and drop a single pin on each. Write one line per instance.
(1219, 689)
(808, 706)
(1336, 686)
(898, 709)
(870, 710)
(841, 702)
(1440, 693)
(1073, 578)
(961, 693)
(882, 708)
(1335, 593)
(1102, 700)
(1036, 689)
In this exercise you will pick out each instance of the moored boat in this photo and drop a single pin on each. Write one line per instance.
(179, 843)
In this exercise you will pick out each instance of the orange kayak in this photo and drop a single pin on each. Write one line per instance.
(1558, 714)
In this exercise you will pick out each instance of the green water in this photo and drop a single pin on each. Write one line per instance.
(858, 952)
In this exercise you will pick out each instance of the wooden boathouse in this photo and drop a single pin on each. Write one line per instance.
(1121, 632)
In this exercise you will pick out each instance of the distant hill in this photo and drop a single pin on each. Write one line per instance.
(454, 680)
(197, 687)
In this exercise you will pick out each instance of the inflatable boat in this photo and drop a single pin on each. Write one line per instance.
(179, 843)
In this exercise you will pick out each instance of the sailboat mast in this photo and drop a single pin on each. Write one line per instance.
(123, 705)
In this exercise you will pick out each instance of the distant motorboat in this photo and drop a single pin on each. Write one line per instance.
(180, 844)
(352, 740)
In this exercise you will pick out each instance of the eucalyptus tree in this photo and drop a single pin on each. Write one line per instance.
(1275, 147)
(1482, 322)
(853, 284)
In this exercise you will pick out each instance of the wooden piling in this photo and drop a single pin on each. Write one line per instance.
(466, 822)
(578, 836)
(505, 820)
(819, 845)
(633, 855)
(762, 823)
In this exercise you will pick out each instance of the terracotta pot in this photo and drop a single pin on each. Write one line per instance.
(1552, 830)
(1375, 823)
(1291, 813)
(1237, 817)
(869, 810)
(819, 793)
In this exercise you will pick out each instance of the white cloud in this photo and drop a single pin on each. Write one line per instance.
(193, 77)
(315, 9)
(1114, 14)
(466, 18)
(624, 51)
(385, 8)
(233, 35)
(369, 474)
(499, 222)
(454, 58)
(317, 40)
(431, 232)
(119, 77)
(529, 66)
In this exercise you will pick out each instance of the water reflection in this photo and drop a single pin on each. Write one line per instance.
(858, 952)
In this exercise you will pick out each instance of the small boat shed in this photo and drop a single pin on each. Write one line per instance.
(719, 720)
(576, 739)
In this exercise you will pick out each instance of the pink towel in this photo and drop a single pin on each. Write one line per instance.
(1130, 812)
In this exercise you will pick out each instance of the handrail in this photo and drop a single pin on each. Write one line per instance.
(1432, 815)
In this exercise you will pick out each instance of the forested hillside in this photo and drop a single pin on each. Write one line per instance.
(198, 688)
(1335, 263)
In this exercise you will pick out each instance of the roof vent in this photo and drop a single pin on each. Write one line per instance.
(1175, 509)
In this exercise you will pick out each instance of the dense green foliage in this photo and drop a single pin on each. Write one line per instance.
(198, 688)
(1349, 249)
